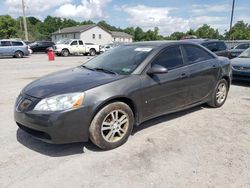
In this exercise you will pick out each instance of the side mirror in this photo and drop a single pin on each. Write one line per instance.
(157, 69)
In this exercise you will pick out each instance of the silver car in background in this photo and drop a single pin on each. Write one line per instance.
(14, 48)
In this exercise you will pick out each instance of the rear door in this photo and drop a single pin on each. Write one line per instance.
(81, 48)
(167, 92)
(204, 70)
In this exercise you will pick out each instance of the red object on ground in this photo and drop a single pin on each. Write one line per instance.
(51, 55)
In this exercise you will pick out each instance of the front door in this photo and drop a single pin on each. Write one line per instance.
(74, 47)
(166, 92)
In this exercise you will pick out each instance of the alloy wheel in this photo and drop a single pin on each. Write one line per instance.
(221, 93)
(115, 126)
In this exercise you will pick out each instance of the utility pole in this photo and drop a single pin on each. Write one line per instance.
(24, 22)
(231, 22)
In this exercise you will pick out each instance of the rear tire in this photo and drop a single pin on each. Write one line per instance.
(219, 94)
(92, 52)
(112, 126)
(18, 54)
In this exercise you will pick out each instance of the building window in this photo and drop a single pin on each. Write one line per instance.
(66, 35)
(55, 37)
(74, 35)
(100, 36)
(93, 36)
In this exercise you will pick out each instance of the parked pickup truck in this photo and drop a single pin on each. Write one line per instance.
(74, 46)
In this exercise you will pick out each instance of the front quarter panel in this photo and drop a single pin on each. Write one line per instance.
(128, 87)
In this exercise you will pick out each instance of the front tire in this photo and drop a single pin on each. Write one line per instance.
(219, 95)
(65, 52)
(112, 126)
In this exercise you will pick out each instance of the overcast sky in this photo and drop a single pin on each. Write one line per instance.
(167, 15)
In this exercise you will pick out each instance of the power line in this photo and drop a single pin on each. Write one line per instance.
(24, 22)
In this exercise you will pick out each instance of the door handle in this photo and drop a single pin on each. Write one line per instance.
(183, 75)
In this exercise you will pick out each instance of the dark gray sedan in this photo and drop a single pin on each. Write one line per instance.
(241, 66)
(105, 98)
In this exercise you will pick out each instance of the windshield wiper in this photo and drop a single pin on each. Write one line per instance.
(105, 70)
(87, 67)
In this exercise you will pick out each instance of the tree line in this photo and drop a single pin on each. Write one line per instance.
(42, 30)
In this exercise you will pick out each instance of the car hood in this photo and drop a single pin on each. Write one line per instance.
(78, 79)
(241, 62)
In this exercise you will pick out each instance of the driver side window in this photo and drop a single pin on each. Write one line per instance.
(74, 43)
(170, 58)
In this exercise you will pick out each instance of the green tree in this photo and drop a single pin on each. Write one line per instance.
(8, 27)
(240, 31)
(206, 31)
(105, 25)
(50, 25)
(176, 36)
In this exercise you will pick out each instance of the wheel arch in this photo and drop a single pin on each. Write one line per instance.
(227, 79)
(123, 99)
(65, 49)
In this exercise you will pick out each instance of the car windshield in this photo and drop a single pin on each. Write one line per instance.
(66, 41)
(121, 60)
(245, 54)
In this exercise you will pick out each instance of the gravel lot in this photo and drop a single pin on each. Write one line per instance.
(200, 147)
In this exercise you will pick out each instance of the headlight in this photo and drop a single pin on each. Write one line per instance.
(60, 102)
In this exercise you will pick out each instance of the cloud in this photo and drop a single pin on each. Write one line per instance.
(150, 17)
(87, 9)
(201, 9)
(221, 8)
(33, 6)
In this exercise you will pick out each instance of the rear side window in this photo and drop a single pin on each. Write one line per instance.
(221, 46)
(211, 46)
(17, 43)
(170, 58)
(196, 54)
(80, 42)
(242, 46)
(5, 43)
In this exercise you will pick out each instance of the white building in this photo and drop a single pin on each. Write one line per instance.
(91, 34)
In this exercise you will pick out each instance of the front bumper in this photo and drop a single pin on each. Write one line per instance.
(54, 127)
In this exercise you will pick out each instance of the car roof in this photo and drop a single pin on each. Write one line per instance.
(202, 41)
(158, 43)
(14, 40)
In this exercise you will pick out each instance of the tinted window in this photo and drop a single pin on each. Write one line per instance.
(5, 43)
(80, 42)
(17, 44)
(123, 59)
(74, 42)
(211, 46)
(221, 46)
(170, 58)
(242, 46)
(196, 54)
